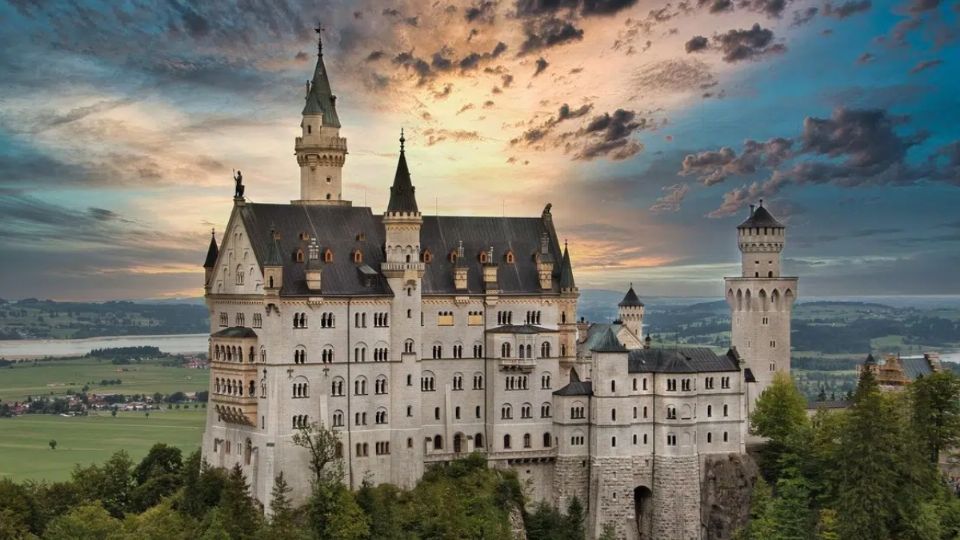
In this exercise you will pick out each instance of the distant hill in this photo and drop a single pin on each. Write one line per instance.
(46, 319)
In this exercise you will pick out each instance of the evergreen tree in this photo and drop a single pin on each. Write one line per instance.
(791, 509)
(761, 525)
(781, 411)
(282, 518)
(215, 527)
(574, 520)
(827, 526)
(241, 518)
(935, 403)
(609, 532)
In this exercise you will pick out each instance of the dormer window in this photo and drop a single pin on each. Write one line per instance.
(361, 236)
(357, 256)
(509, 257)
(298, 256)
(305, 236)
(327, 256)
(483, 257)
(453, 256)
(427, 256)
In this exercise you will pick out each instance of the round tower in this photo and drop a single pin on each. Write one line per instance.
(321, 151)
(761, 300)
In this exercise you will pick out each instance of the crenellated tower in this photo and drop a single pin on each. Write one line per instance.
(761, 299)
(630, 313)
(321, 151)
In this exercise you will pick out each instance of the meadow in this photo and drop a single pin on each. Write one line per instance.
(26, 453)
(57, 377)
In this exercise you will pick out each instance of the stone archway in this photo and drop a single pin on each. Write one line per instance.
(643, 511)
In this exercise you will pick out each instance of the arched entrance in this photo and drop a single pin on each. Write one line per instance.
(458, 443)
(643, 511)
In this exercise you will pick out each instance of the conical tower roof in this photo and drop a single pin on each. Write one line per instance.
(212, 252)
(631, 299)
(320, 98)
(402, 198)
(566, 271)
(761, 217)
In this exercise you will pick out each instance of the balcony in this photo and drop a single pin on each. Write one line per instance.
(518, 364)
(321, 143)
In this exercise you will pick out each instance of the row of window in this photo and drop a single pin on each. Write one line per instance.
(231, 353)
(526, 411)
(578, 412)
(525, 351)
(233, 387)
(240, 319)
(579, 440)
(428, 381)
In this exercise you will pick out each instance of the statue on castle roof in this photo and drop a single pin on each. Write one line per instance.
(238, 192)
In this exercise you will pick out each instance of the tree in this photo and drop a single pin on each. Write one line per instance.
(781, 411)
(544, 523)
(160, 522)
(574, 520)
(111, 483)
(241, 518)
(53, 444)
(761, 525)
(322, 443)
(609, 532)
(282, 518)
(85, 522)
(791, 509)
(202, 485)
(935, 403)
(827, 525)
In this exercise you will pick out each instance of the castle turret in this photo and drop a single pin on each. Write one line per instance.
(630, 312)
(761, 300)
(321, 151)
(211, 261)
(404, 270)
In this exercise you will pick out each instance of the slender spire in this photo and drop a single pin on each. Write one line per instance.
(212, 252)
(402, 198)
(320, 98)
(566, 270)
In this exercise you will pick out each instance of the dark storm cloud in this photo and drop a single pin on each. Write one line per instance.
(527, 8)
(770, 8)
(538, 132)
(696, 43)
(713, 167)
(541, 66)
(925, 65)
(750, 44)
(608, 135)
(803, 16)
(545, 33)
(846, 9)
(375, 55)
(862, 147)
(716, 6)
(481, 12)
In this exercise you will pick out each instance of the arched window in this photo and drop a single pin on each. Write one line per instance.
(509, 257)
(427, 382)
(427, 256)
(526, 440)
(545, 349)
(437, 442)
(547, 440)
(337, 418)
(327, 256)
(505, 350)
(336, 387)
(360, 386)
(380, 385)
(408, 346)
(545, 411)
(506, 442)
(357, 256)
(239, 275)
(506, 412)
(298, 256)
(478, 440)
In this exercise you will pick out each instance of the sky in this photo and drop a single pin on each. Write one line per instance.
(649, 126)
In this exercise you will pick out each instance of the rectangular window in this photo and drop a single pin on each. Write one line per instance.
(475, 318)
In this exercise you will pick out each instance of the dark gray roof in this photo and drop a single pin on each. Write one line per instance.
(916, 367)
(870, 361)
(748, 376)
(608, 343)
(575, 387)
(343, 229)
(274, 254)
(760, 218)
(630, 299)
(442, 234)
(681, 360)
(320, 99)
(402, 197)
(596, 331)
(212, 252)
(235, 332)
(520, 329)
(566, 271)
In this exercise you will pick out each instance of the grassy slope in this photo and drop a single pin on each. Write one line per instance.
(91, 439)
(58, 376)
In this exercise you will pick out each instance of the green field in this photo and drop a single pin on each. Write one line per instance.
(56, 377)
(26, 454)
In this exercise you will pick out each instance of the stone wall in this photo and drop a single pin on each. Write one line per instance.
(612, 485)
(570, 477)
(676, 498)
(725, 494)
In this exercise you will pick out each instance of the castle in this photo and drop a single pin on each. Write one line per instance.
(420, 339)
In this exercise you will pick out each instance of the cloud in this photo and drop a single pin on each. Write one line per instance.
(770, 8)
(435, 136)
(482, 12)
(537, 133)
(608, 135)
(749, 44)
(696, 43)
(803, 16)
(375, 55)
(856, 147)
(545, 33)
(865, 58)
(925, 65)
(301, 56)
(673, 75)
(846, 9)
(920, 6)
(586, 8)
(716, 6)
(541, 66)
(670, 201)
(713, 167)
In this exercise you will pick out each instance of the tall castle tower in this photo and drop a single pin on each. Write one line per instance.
(630, 313)
(321, 151)
(761, 300)
(404, 271)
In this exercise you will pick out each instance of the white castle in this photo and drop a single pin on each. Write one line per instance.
(420, 339)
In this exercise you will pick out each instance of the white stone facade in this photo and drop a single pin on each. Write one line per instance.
(418, 345)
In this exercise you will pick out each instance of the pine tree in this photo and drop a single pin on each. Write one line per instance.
(935, 403)
(791, 509)
(282, 522)
(240, 516)
(827, 525)
(574, 520)
(781, 412)
(760, 526)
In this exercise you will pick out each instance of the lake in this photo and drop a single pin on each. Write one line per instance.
(34, 348)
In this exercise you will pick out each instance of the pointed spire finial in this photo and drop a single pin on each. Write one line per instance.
(213, 231)
(402, 140)
(761, 203)
(319, 30)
